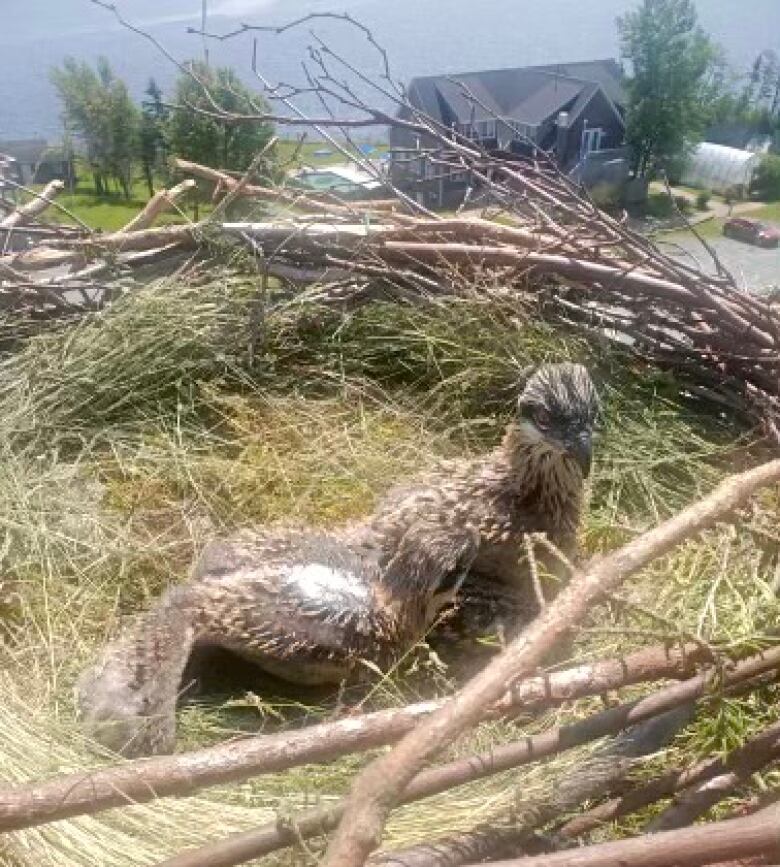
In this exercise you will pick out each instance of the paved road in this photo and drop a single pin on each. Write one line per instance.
(753, 267)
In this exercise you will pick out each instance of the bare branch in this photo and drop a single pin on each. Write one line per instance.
(32, 209)
(750, 836)
(146, 779)
(162, 201)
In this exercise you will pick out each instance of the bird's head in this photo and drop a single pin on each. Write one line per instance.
(559, 407)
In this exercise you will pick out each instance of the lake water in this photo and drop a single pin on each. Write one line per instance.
(421, 36)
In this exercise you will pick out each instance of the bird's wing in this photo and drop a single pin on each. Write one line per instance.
(292, 593)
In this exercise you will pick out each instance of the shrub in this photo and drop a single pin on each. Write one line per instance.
(659, 205)
(766, 182)
(683, 204)
(703, 200)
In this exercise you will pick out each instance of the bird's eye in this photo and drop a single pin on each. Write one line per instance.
(542, 419)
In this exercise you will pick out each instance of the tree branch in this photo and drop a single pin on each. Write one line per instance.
(146, 779)
(32, 209)
(161, 201)
(750, 836)
(242, 847)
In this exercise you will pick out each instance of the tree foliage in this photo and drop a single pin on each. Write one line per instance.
(766, 181)
(762, 92)
(676, 72)
(755, 105)
(195, 134)
(152, 142)
(98, 110)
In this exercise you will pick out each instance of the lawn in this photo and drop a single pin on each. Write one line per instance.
(318, 153)
(769, 212)
(713, 228)
(113, 211)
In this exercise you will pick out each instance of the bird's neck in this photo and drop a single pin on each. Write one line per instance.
(539, 472)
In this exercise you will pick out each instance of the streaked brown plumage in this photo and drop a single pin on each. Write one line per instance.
(310, 607)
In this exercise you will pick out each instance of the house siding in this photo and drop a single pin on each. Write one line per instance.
(599, 112)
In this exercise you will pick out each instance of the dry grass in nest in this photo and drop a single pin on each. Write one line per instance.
(131, 438)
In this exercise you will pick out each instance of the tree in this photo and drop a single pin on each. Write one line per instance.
(97, 109)
(154, 116)
(214, 141)
(762, 92)
(676, 72)
(766, 182)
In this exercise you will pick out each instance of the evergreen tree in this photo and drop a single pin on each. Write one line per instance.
(153, 150)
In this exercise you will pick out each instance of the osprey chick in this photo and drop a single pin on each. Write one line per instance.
(531, 483)
(310, 607)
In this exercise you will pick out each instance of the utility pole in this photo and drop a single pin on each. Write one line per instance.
(203, 17)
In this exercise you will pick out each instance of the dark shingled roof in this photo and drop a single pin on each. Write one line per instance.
(529, 95)
(32, 151)
(607, 73)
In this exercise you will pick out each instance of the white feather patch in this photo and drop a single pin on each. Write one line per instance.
(318, 581)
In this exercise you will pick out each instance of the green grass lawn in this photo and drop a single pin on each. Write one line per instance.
(769, 212)
(292, 152)
(113, 211)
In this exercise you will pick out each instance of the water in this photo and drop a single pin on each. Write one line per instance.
(421, 36)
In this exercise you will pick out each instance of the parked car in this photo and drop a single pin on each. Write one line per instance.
(751, 232)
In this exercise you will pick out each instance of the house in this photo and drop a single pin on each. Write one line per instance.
(573, 111)
(35, 161)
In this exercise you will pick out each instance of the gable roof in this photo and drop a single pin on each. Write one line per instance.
(607, 72)
(531, 94)
(32, 151)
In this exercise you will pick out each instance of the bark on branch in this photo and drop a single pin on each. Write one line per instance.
(33, 208)
(747, 837)
(83, 249)
(295, 198)
(242, 847)
(161, 201)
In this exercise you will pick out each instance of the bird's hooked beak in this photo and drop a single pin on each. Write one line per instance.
(581, 449)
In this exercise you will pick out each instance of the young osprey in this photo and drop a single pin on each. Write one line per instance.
(312, 607)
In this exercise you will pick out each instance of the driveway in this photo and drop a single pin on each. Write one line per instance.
(753, 268)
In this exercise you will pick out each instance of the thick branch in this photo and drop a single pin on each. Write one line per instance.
(596, 775)
(83, 249)
(32, 209)
(750, 836)
(146, 779)
(727, 776)
(161, 201)
(752, 756)
(381, 785)
(294, 198)
(246, 846)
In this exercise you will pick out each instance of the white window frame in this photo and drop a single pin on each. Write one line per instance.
(592, 137)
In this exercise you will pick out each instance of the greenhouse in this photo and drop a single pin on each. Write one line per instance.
(720, 168)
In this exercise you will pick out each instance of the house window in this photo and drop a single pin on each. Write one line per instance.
(466, 130)
(591, 139)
